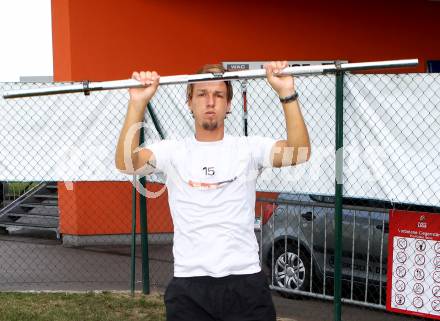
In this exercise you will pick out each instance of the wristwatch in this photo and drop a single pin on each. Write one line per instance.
(289, 99)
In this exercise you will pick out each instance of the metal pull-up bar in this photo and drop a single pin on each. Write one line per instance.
(86, 87)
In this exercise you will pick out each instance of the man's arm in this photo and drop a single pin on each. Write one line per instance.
(128, 159)
(296, 148)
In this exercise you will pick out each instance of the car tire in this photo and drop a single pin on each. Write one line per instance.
(290, 270)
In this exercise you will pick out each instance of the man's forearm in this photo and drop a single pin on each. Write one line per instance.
(135, 115)
(297, 134)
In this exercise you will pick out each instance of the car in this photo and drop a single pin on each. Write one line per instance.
(297, 242)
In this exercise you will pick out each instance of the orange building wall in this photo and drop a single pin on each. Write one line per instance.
(102, 40)
(106, 40)
(106, 208)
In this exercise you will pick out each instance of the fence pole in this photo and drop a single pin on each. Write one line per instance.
(144, 228)
(133, 239)
(338, 192)
(244, 84)
(156, 123)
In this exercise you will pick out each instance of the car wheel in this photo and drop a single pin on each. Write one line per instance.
(291, 271)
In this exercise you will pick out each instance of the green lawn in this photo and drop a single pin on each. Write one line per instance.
(73, 306)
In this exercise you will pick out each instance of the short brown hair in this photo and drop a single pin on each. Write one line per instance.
(211, 68)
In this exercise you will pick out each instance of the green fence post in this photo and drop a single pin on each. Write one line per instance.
(155, 121)
(338, 192)
(143, 219)
(144, 228)
(133, 239)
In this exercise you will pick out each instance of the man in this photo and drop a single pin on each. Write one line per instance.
(211, 181)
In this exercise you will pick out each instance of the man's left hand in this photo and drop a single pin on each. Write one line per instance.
(283, 85)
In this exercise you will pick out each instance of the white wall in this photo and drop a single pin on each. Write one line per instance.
(26, 39)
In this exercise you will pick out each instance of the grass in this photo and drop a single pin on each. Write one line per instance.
(15, 189)
(91, 306)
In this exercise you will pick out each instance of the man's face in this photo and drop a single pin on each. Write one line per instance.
(209, 104)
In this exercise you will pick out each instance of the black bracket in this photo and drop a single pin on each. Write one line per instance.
(338, 67)
(217, 74)
(338, 64)
(86, 88)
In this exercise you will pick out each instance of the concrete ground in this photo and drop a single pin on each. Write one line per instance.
(313, 309)
(40, 263)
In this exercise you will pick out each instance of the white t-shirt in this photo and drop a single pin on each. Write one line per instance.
(211, 193)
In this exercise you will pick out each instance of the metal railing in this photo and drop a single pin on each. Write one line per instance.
(12, 191)
(303, 224)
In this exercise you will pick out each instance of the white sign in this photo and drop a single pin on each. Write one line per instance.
(414, 264)
(245, 65)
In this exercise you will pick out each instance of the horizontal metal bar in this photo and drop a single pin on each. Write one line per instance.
(4, 211)
(320, 204)
(87, 87)
(355, 66)
(328, 297)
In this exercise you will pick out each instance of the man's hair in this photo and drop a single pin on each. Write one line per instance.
(211, 68)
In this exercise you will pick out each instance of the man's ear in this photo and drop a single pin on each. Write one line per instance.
(228, 108)
(189, 103)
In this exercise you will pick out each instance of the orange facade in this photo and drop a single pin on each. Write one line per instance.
(103, 40)
(106, 40)
(92, 208)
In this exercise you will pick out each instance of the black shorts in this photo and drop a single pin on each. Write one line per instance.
(230, 298)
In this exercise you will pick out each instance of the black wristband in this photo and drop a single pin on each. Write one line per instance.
(289, 99)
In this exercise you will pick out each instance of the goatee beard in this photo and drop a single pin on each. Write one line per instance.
(209, 125)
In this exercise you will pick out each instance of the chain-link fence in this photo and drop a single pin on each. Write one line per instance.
(391, 194)
(70, 228)
(398, 173)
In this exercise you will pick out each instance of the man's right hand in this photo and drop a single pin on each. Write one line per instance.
(150, 79)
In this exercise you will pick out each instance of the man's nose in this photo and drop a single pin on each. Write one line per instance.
(211, 100)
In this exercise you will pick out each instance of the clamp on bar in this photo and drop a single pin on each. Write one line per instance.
(338, 65)
(86, 87)
(217, 74)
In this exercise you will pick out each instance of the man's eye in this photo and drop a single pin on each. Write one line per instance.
(201, 94)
